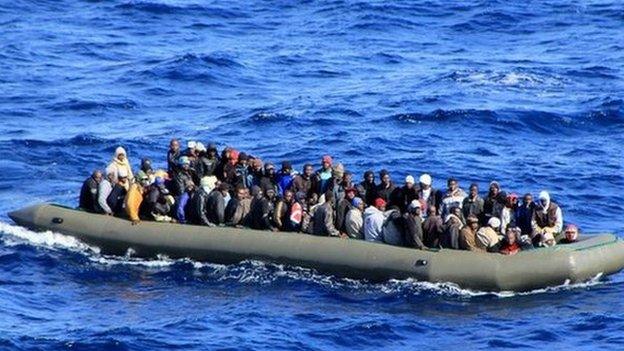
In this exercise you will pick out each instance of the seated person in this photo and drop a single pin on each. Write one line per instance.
(468, 234)
(509, 244)
(487, 237)
(571, 234)
(547, 221)
(89, 192)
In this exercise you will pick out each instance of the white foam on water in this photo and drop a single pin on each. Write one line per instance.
(258, 272)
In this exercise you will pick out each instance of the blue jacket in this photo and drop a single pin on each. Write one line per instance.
(284, 181)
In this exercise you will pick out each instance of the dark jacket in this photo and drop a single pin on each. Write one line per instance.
(243, 176)
(385, 192)
(178, 183)
(368, 192)
(88, 195)
(266, 182)
(156, 202)
(403, 196)
(413, 231)
(524, 216)
(493, 206)
(198, 208)
(302, 184)
(172, 161)
(343, 207)
(435, 198)
(116, 199)
(206, 166)
(261, 214)
(473, 207)
(450, 237)
(215, 207)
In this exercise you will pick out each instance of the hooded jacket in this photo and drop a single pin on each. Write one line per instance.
(354, 223)
(88, 195)
(393, 228)
(198, 208)
(549, 216)
(433, 228)
(261, 215)
(118, 167)
(468, 240)
(413, 231)
(323, 222)
(473, 207)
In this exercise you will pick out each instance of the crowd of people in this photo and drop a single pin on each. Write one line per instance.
(204, 187)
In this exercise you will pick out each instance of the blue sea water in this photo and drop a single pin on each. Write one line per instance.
(529, 93)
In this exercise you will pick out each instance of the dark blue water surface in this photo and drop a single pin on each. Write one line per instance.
(528, 94)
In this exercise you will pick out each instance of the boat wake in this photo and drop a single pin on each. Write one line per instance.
(257, 272)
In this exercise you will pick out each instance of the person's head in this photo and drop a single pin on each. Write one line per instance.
(384, 176)
(347, 178)
(510, 234)
(208, 183)
(350, 194)
(494, 188)
(474, 190)
(452, 184)
(243, 159)
(308, 170)
(425, 181)
(527, 199)
(414, 208)
(571, 232)
(211, 150)
(120, 154)
(159, 182)
(174, 145)
(369, 177)
(380, 204)
(224, 188)
(326, 162)
(270, 193)
(409, 182)
(241, 192)
(185, 163)
(256, 192)
(313, 199)
(329, 197)
(143, 179)
(473, 222)
(97, 176)
(300, 197)
(357, 202)
(191, 147)
(494, 223)
(269, 169)
(257, 165)
(456, 210)
(338, 171)
(122, 176)
(288, 196)
(286, 167)
(544, 198)
(146, 165)
(511, 200)
(200, 149)
(432, 210)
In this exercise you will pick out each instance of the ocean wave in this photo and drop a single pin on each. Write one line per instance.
(83, 105)
(171, 8)
(258, 272)
(515, 79)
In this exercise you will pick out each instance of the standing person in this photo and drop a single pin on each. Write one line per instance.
(182, 175)
(146, 171)
(406, 194)
(494, 202)
(229, 169)
(268, 179)
(433, 227)
(256, 171)
(468, 235)
(105, 187)
(282, 212)
(244, 177)
(120, 164)
(216, 203)
(173, 155)
(547, 221)
(342, 208)
(323, 222)
(367, 189)
(183, 203)
(304, 182)
(386, 188)
(374, 219)
(427, 193)
(284, 178)
(198, 206)
(473, 203)
(524, 215)
(324, 175)
(89, 191)
(454, 197)
(354, 221)
(413, 223)
(207, 162)
(508, 214)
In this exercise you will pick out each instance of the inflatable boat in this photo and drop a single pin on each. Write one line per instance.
(527, 270)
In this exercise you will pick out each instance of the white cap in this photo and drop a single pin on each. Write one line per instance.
(208, 182)
(544, 195)
(425, 179)
(414, 204)
(494, 222)
(200, 147)
(409, 179)
(191, 144)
